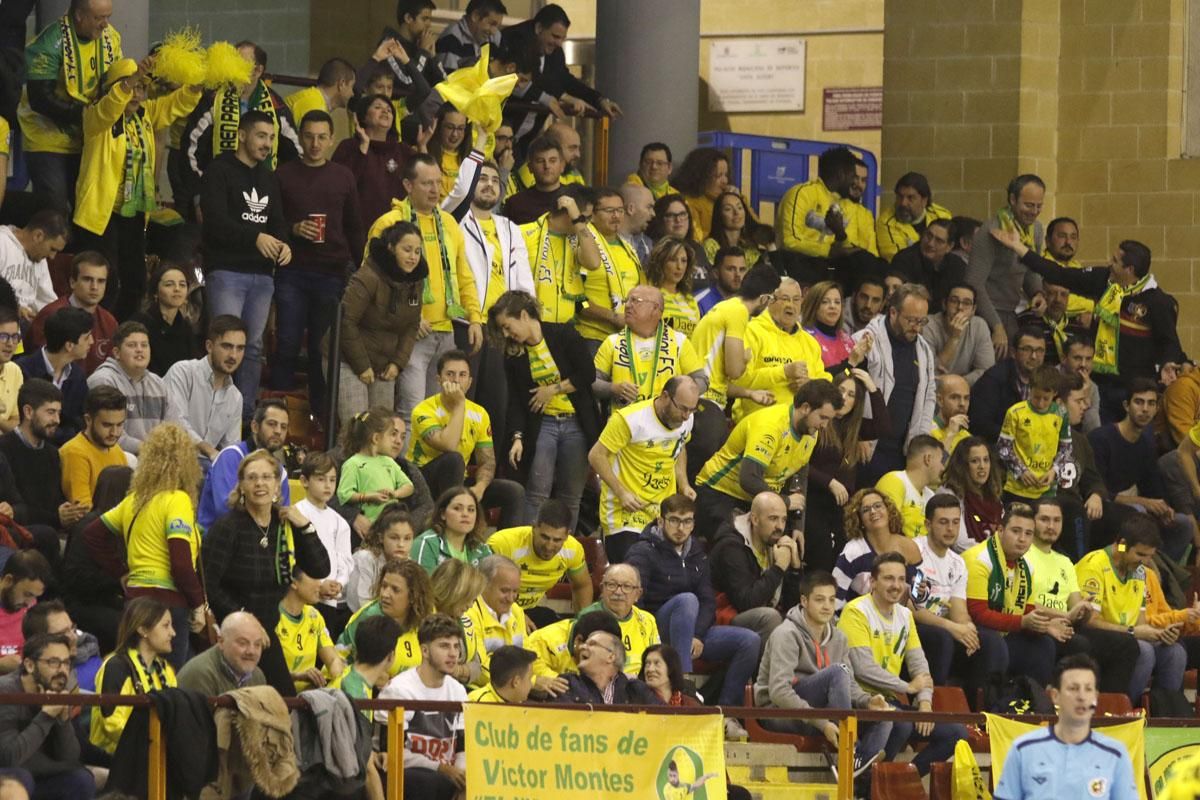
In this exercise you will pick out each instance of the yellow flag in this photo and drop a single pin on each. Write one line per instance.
(1003, 731)
(477, 96)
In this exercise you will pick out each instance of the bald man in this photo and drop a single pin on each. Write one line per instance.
(639, 211)
(233, 662)
(620, 591)
(951, 423)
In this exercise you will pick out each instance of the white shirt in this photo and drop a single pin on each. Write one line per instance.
(939, 580)
(29, 279)
(428, 735)
(334, 533)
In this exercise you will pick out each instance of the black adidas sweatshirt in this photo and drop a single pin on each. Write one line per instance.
(239, 203)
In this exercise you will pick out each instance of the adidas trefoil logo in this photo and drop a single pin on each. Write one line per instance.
(256, 205)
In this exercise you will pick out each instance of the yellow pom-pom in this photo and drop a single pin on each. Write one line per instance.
(226, 66)
(180, 59)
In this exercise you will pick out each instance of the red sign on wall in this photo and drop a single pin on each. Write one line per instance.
(857, 108)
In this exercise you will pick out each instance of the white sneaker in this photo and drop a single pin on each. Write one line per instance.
(861, 765)
(734, 732)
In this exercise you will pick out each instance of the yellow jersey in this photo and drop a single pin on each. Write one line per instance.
(727, 319)
(860, 226)
(769, 350)
(800, 218)
(662, 190)
(301, 639)
(900, 490)
(408, 649)
(644, 455)
(648, 363)
(681, 312)
(485, 694)
(892, 235)
(1121, 600)
(609, 285)
(639, 630)
(766, 438)
(557, 274)
(1033, 439)
(979, 572)
(545, 372)
(486, 633)
(889, 638)
(1053, 579)
(938, 431)
(537, 574)
(430, 415)
(146, 533)
(496, 284)
(551, 644)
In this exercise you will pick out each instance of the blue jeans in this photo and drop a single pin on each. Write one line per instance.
(247, 296)
(1167, 662)
(559, 462)
(303, 301)
(1031, 654)
(78, 784)
(830, 688)
(941, 741)
(54, 176)
(722, 643)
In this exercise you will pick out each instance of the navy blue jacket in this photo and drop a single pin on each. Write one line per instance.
(665, 573)
(74, 389)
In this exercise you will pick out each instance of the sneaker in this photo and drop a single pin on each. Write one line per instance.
(861, 765)
(734, 732)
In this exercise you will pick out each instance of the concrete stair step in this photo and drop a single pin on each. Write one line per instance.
(794, 791)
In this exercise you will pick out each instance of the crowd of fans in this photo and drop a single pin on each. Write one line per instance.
(842, 462)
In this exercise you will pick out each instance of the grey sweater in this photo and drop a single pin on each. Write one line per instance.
(975, 353)
(146, 402)
(791, 654)
(1001, 281)
(34, 741)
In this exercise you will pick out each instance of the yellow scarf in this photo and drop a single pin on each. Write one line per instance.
(227, 113)
(1108, 329)
(1007, 222)
(75, 68)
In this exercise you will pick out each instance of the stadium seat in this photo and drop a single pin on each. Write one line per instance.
(952, 700)
(941, 781)
(803, 744)
(1113, 704)
(893, 780)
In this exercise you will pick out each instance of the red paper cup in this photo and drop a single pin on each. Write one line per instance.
(319, 219)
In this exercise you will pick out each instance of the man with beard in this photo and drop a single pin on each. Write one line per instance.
(1062, 245)
(203, 393)
(39, 480)
(929, 261)
(41, 739)
(268, 431)
(546, 164)
(860, 220)
(913, 211)
(865, 303)
(729, 267)
(22, 581)
(1006, 383)
(86, 455)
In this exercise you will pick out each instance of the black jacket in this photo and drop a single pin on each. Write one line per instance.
(993, 394)
(628, 691)
(191, 746)
(665, 573)
(38, 483)
(169, 343)
(552, 75)
(239, 203)
(33, 741)
(938, 280)
(575, 365)
(737, 575)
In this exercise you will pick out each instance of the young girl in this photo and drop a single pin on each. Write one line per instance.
(390, 537)
(371, 478)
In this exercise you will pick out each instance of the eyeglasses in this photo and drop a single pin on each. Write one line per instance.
(55, 663)
(623, 588)
(454, 128)
(10, 338)
(682, 522)
(678, 215)
(1031, 351)
(633, 301)
(872, 508)
(685, 410)
(656, 162)
(500, 138)
(961, 302)
(616, 210)
(602, 646)
(919, 322)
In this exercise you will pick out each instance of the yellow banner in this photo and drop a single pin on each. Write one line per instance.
(549, 754)
(1003, 731)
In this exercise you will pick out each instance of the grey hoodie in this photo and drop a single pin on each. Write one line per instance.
(792, 654)
(145, 401)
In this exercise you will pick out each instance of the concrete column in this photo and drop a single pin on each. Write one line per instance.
(130, 17)
(648, 61)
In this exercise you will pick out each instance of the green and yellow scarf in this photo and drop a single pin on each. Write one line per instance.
(78, 74)
(137, 185)
(454, 309)
(1005, 220)
(227, 113)
(1001, 597)
(1108, 329)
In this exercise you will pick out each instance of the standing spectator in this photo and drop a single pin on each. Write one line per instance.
(1000, 279)
(68, 340)
(550, 409)
(958, 337)
(335, 87)
(1035, 440)
(639, 212)
(974, 476)
(95, 598)
(450, 145)
(902, 364)
(116, 186)
(155, 525)
(64, 67)
(567, 138)
(146, 393)
(732, 227)
(30, 444)
(25, 256)
(415, 36)
(320, 206)
(561, 249)
(318, 476)
(89, 277)
(268, 431)
(911, 488)
(728, 271)
(95, 447)
(902, 224)
(250, 552)
(459, 44)
(654, 170)
(546, 164)
(930, 262)
(456, 531)
(607, 289)
(1006, 383)
(244, 238)
(821, 318)
(669, 269)
(375, 157)
(172, 338)
(203, 393)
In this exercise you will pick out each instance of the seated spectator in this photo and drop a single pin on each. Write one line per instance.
(60, 361)
(939, 604)
(951, 424)
(232, 663)
(865, 303)
(456, 585)
(301, 632)
(1114, 581)
(604, 676)
(202, 389)
(733, 227)
(557, 649)
(1127, 459)
(662, 672)
(404, 595)
(901, 224)
(371, 479)
(619, 593)
(974, 476)
(1081, 491)
(448, 429)
(931, 263)
(318, 476)
(806, 664)
(1062, 245)
(1181, 407)
(25, 256)
(672, 218)
(960, 339)
(390, 537)
(96, 446)
(911, 488)
(268, 432)
(750, 594)
(1000, 599)
(821, 318)
(23, 579)
(1053, 322)
(675, 571)
(375, 650)
(511, 677)
(633, 459)
(171, 336)
(669, 268)
(11, 376)
(1079, 357)
(456, 531)
(137, 666)
(89, 279)
(127, 370)
(654, 170)
(41, 739)
(783, 357)
(729, 267)
(1005, 384)
(1035, 440)
(882, 638)
(39, 480)
(546, 552)
(873, 526)
(50, 617)
(434, 760)
(494, 619)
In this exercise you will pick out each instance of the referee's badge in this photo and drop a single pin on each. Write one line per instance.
(1097, 787)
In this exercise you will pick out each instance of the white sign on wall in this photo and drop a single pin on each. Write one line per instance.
(756, 74)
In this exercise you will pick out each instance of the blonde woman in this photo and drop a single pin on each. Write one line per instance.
(155, 528)
(249, 555)
(456, 585)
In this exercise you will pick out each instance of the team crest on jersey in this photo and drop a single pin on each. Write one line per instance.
(1097, 787)
(1138, 311)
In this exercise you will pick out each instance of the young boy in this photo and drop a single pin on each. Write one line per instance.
(512, 677)
(375, 644)
(318, 476)
(1035, 440)
(382, 82)
(303, 636)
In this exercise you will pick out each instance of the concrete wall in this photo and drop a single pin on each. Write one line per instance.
(281, 27)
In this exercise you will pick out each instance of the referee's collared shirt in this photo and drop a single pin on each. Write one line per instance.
(1040, 766)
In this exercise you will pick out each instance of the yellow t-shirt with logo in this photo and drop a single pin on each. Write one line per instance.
(1121, 600)
(979, 570)
(1035, 440)
(408, 649)
(767, 438)
(727, 319)
(605, 291)
(166, 516)
(639, 630)
(486, 633)
(1053, 579)
(899, 489)
(938, 431)
(681, 312)
(649, 363)
(301, 638)
(431, 415)
(556, 270)
(537, 575)
(644, 455)
(545, 372)
(888, 638)
(496, 285)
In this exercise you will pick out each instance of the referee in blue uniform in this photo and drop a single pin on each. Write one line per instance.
(1068, 760)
